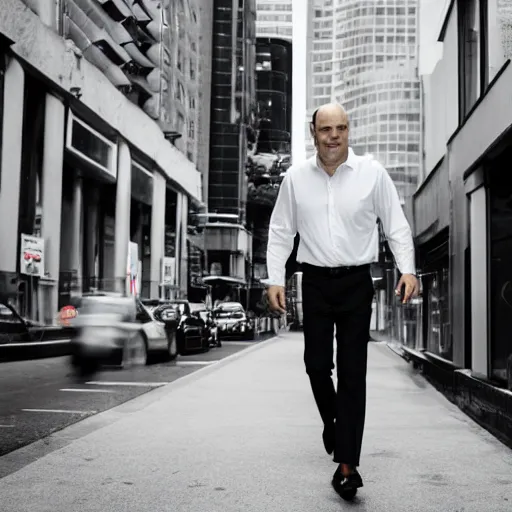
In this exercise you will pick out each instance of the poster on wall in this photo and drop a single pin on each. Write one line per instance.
(132, 270)
(168, 271)
(32, 256)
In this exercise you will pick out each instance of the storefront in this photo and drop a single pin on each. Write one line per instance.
(499, 197)
(88, 210)
(140, 221)
(435, 283)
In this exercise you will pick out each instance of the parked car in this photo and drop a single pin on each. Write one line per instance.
(211, 327)
(114, 329)
(192, 332)
(232, 321)
(15, 328)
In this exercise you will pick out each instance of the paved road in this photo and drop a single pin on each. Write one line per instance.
(42, 396)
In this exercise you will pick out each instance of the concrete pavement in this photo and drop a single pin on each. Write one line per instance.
(244, 435)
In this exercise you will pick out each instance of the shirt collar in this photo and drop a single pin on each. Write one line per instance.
(349, 163)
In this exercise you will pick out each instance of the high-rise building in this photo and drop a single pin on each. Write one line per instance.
(232, 102)
(364, 55)
(274, 19)
(270, 155)
(233, 105)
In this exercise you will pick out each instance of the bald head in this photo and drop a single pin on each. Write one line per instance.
(327, 111)
(329, 129)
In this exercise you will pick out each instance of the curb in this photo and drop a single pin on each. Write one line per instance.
(34, 350)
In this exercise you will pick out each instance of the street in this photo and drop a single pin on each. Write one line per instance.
(244, 435)
(42, 396)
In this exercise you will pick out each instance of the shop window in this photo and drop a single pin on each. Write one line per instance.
(439, 333)
(500, 198)
(91, 146)
(142, 184)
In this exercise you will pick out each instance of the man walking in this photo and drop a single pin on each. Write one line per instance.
(333, 200)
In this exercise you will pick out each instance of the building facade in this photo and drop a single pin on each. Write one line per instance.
(274, 19)
(94, 176)
(232, 116)
(364, 55)
(461, 212)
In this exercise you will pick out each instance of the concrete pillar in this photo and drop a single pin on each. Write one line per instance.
(157, 233)
(122, 227)
(53, 159)
(76, 246)
(479, 282)
(10, 166)
(183, 276)
(177, 239)
(91, 209)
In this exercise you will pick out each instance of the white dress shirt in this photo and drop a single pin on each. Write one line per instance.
(336, 217)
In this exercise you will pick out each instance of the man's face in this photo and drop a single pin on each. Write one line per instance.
(331, 134)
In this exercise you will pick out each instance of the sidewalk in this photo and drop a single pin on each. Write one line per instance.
(244, 435)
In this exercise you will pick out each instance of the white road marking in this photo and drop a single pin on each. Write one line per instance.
(88, 390)
(7, 426)
(65, 411)
(196, 363)
(237, 343)
(135, 384)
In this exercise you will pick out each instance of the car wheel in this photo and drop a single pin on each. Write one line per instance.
(135, 351)
(172, 346)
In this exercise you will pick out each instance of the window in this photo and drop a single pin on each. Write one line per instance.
(86, 143)
(473, 74)
(500, 306)
(191, 130)
(2, 75)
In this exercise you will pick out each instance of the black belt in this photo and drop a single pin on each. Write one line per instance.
(313, 270)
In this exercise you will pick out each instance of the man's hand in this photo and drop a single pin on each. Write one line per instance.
(412, 287)
(276, 298)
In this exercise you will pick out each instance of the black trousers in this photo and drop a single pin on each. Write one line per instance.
(342, 298)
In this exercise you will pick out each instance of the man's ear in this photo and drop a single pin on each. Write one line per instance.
(312, 129)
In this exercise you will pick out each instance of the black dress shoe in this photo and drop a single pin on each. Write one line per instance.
(329, 438)
(346, 486)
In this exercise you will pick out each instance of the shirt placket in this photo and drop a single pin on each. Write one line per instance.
(331, 212)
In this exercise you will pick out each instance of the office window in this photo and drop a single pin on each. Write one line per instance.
(473, 73)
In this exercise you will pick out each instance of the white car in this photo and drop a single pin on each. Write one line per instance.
(117, 329)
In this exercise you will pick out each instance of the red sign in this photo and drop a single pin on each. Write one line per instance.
(67, 313)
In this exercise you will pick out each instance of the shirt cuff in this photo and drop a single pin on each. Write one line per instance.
(408, 269)
(272, 282)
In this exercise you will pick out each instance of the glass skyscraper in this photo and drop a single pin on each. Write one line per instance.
(363, 54)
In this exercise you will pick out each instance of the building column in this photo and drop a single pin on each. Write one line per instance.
(76, 246)
(53, 159)
(157, 234)
(177, 241)
(90, 237)
(10, 165)
(183, 254)
(479, 281)
(122, 225)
